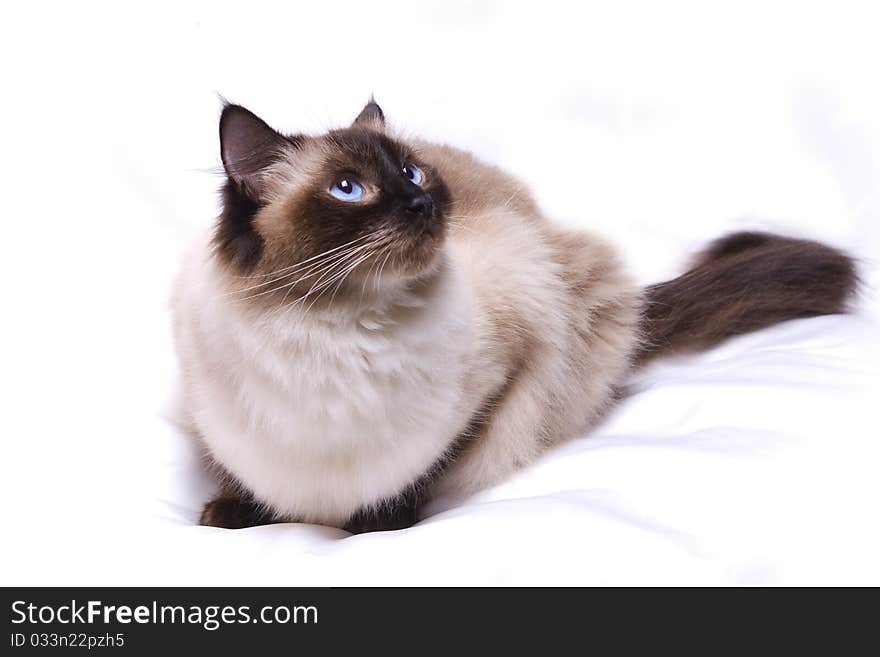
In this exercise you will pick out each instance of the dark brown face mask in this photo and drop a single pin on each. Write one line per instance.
(362, 183)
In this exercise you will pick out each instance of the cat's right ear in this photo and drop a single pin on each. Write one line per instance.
(247, 147)
(371, 116)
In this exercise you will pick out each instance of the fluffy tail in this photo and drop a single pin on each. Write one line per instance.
(744, 282)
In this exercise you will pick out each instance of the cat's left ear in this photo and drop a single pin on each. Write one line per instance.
(371, 116)
(247, 147)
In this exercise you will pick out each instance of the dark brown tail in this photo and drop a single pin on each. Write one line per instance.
(744, 282)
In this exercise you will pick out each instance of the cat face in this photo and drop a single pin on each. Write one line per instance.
(341, 205)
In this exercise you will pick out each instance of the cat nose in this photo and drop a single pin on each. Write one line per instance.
(420, 205)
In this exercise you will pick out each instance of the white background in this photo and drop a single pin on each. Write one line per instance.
(660, 125)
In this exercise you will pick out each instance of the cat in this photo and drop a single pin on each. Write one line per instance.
(375, 321)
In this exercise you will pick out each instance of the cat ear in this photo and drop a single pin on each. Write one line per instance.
(247, 146)
(371, 116)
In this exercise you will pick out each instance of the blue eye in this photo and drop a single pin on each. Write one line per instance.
(412, 173)
(346, 189)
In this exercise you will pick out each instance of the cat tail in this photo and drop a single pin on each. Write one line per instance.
(744, 282)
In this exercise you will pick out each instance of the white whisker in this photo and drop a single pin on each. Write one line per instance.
(298, 268)
(342, 269)
(379, 273)
(342, 280)
(318, 268)
(283, 269)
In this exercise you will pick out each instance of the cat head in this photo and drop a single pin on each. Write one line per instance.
(337, 205)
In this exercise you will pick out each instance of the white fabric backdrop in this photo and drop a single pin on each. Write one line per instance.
(658, 125)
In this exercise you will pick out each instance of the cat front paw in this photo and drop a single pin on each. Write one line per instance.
(382, 521)
(234, 513)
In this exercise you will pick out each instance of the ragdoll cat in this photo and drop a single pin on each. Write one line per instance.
(377, 320)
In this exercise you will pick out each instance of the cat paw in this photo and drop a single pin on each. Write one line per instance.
(381, 521)
(233, 513)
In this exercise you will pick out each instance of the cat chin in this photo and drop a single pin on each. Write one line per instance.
(416, 259)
